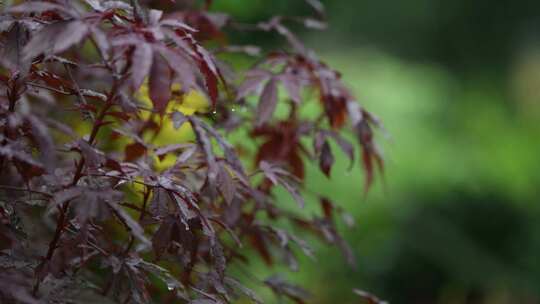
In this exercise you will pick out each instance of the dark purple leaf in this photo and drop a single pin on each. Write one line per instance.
(346, 250)
(206, 63)
(226, 184)
(218, 258)
(171, 148)
(184, 70)
(267, 102)
(210, 73)
(345, 146)
(177, 24)
(281, 287)
(229, 151)
(162, 237)
(19, 155)
(12, 56)
(306, 249)
(326, 159)
(185, 213)
(102, 42)
(141, 64)
(206, 146)
(160, 83)
(187, 154)
(253, 83)
(94, 204)
(295, 193)
(290, 259)
(45, 142)
(292, 84)
(246, 291)
(178, 119)
(38, 7)
(93, 157)
(55, 38)
(279, 176)
(163, 274)
(134, 228)
(159, 206)
(269, 171)
(63, 196)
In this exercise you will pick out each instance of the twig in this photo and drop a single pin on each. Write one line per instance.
(25, 190)
(145, 201)
(61, 221)
(42, 86)
(78, 90)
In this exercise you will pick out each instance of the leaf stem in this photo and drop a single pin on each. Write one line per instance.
(61, 221)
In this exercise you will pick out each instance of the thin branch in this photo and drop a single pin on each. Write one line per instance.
(145, 202)
(42, 86)
(61, 221)
(82, 92)
(5, 187)
(79, 91)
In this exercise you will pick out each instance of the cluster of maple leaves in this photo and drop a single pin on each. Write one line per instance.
(86, 215)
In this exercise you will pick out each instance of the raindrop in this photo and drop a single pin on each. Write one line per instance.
(171, 284)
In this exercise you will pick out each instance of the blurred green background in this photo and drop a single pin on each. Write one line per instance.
(456, 83)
